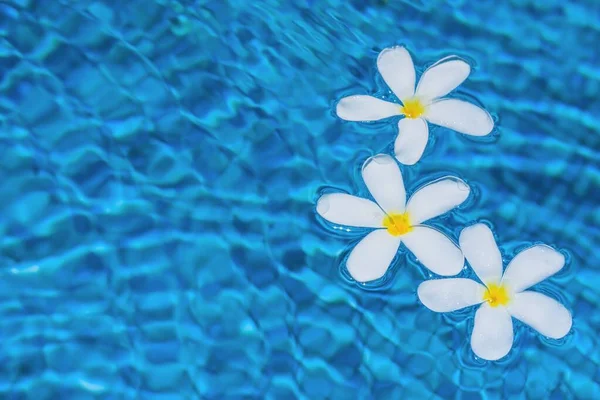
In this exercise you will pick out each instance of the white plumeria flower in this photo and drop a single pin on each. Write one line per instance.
(503, 296)
(425, 104)
(396, 220)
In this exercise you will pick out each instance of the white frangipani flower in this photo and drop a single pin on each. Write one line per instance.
(504, 296)
(426, 104)
(396, 220)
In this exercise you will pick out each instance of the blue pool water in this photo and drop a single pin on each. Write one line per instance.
(160, 166)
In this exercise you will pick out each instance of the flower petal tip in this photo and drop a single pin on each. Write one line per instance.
(404, 160)
(460, 116)
(437, 198)
(323, 205)
(381, 159)
(365, 108)
(384, 181)
(443, 77)
(434, 250)
(447, 295)
(486, 130)
(411, 141)
(493, 335)
(532, 266)
(397, 69)
(372, 256)
(462, 185)
(542, 313)
(563, 330)
(398, 50)
(463, 189)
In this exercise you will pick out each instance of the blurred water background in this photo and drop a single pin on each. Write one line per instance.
(160, 165)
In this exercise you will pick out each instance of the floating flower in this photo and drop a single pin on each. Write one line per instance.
(503, 296)
(425, 104)
(396, 220)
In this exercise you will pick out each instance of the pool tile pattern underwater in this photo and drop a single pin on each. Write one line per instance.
(160, 165)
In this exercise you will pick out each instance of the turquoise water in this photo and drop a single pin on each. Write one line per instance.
(161, 161)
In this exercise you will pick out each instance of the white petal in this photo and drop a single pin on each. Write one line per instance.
(345, 209)
(398, 71)
(481, 251)
(445, 295)
(460, 116)
(532, 266)
(442, 77)
(542, 313)
(371, 257)
(411, 141)
(436, 198)
(434, 250)
(384, 180)
(365, 108)
(492, 336)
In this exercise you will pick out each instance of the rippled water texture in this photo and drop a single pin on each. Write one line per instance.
(160, 162)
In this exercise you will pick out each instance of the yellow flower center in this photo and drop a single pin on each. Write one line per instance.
(413, 108)
(496, 295)
(397, 224)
